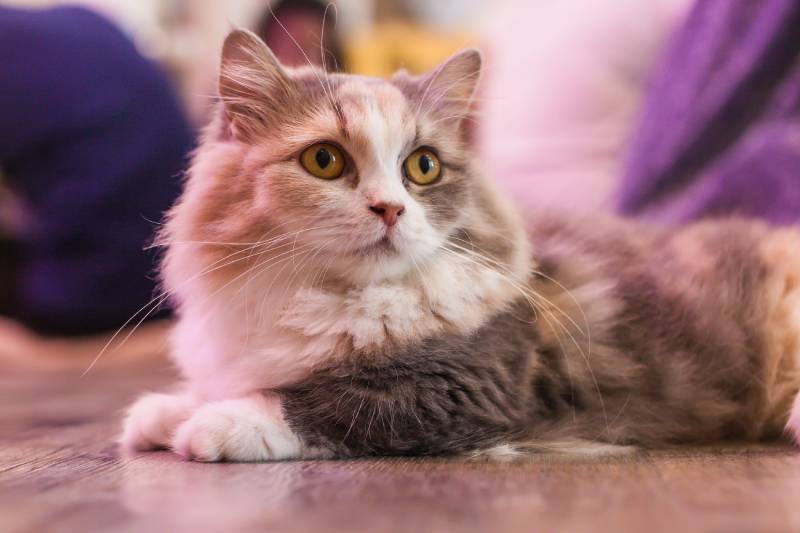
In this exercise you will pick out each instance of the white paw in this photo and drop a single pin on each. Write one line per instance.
(152, 419)
(243, 430)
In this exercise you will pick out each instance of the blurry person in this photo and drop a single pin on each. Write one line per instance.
(293, 31)
(562, 88)
(720, 131)
(92, 143)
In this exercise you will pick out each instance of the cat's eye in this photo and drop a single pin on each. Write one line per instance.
(323, 160)
(422, 167)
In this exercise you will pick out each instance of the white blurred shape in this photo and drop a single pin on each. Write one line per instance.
(563, 85)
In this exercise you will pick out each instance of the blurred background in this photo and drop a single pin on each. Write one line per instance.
(665, 110)
(372, 37)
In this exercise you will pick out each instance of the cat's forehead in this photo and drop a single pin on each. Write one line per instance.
(374, 108)
(377, 116)
(368, 114)
(357, 95)
(364, 95)
(372, 118)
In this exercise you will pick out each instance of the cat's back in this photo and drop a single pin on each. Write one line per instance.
(717, 298)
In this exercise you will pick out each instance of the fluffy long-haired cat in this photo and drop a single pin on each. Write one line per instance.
(349, 283)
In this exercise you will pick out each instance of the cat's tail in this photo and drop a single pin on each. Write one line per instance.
(23, 348)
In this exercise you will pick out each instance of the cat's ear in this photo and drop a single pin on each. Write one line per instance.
(450, 87)
(253, 86)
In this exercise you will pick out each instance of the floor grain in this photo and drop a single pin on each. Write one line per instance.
(60, 471)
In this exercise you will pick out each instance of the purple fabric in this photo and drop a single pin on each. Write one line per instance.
(92, 140)
(720, 129)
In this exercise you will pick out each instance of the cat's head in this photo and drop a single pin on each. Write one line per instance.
(370, 176)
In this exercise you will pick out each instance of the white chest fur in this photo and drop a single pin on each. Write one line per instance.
(269, 331)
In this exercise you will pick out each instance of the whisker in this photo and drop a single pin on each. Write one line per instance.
(551, 305)
(150, 307)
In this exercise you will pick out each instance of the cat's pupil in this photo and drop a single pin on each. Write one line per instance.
(323, 158)
(425, 164)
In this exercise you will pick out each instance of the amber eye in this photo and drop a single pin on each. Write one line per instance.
(422, 167)
(323, 160)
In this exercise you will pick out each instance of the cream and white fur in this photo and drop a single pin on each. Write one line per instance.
(262, 328)
(277, 274)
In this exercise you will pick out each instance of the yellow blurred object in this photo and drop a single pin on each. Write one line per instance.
(395, 45)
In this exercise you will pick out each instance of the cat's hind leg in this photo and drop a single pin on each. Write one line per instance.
(151, 421)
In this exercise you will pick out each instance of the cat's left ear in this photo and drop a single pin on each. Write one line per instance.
(450, 87)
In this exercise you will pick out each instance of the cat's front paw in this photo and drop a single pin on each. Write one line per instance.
(152, 420)
(243, 430)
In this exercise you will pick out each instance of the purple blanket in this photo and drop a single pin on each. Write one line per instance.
(720, 129)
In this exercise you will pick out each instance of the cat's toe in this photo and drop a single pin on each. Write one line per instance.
(152, 419)
(242, 430)
(204, 436)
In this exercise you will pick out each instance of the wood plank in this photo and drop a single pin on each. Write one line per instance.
(60, 471)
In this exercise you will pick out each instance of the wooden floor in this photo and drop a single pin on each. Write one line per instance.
(60, 471)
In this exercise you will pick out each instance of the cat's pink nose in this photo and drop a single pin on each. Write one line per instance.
(388, 212)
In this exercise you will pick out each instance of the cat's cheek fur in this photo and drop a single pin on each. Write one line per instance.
(250, 429)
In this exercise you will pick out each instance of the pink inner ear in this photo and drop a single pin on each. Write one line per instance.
(447, 90)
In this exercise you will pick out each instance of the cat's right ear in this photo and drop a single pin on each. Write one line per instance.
(253, 86)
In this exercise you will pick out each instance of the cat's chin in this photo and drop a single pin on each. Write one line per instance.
(382, 247)
(363, 267)
(375, 268)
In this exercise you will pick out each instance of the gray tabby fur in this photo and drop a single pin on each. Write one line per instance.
(675, 363)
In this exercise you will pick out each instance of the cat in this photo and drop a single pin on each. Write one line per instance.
(349, 283)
